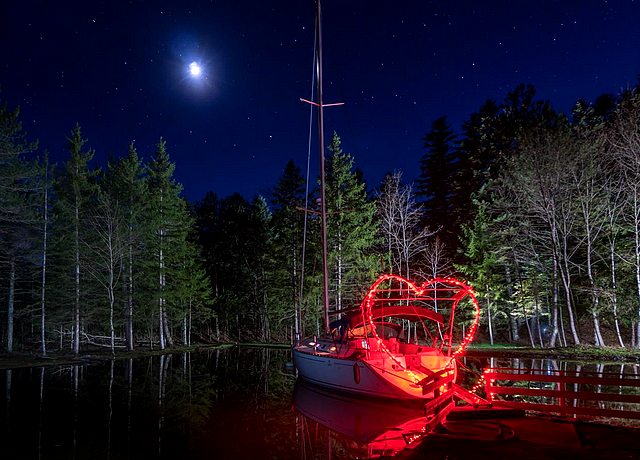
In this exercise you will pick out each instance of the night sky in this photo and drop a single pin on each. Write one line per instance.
(121, 70)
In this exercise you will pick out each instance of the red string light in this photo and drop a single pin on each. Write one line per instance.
(416, 292)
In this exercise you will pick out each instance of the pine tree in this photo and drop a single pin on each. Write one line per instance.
(128, 187)
(192, 289)
(260, 246)
(435, 184)
(17, 211)
(480, 249)
(351, 232)
(75, 189)
(287, 228)
(168, 225)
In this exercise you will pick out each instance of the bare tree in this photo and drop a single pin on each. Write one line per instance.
(45, 224)
(613, 211)
(400, 218)
(107, 251)
(536, 188)
(624, 141)
(591, 202)
(435, 260)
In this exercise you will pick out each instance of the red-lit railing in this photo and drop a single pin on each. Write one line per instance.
(567, 393)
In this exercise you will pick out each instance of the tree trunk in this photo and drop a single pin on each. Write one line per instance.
(555, 332)
(167, 331)
(43, 342)
(189, 325)
(513, 323)
(11, 303)
(538, 314)
(595, 301)
(339, 275)
(161, 302)
(596, 330)
(129, 328)
(637, 262)
(566, 281)
(184, 331)
(490, 321)
(110, 291)
(76, 313)
(526, 322)
(161, 325)
(614, 293)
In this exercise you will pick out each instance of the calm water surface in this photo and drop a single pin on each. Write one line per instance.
(238, 403)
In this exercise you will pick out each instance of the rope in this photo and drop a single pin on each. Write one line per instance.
(477, 431)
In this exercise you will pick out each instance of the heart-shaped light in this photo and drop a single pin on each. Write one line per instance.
(437, 289)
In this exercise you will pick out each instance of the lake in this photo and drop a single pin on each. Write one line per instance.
(234, 403)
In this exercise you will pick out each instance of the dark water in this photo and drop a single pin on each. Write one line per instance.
(238, 403)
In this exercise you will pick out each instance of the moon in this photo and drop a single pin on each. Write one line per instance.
(195, 70)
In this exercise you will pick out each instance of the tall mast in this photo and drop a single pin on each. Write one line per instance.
(323, 204)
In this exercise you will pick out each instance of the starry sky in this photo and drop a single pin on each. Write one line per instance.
(121, 70)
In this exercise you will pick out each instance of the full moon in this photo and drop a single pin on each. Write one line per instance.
(195, 70)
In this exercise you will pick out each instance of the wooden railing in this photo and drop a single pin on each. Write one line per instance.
(566, 393)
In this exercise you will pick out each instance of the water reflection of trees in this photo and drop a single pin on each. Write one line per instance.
(151, 406)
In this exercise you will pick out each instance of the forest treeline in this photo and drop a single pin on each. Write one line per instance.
(539, 210)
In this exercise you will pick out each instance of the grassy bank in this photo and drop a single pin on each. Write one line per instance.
(581, 353)
(58, 358)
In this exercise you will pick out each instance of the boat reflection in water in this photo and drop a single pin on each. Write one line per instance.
(356, 426)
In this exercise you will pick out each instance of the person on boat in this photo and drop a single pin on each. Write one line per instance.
(341, 326)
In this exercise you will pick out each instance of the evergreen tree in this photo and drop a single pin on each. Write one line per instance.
(490, 137)
(435, 184)
(75, 189)
(127, 185)
(351, 231)
(166, 237)
(286, 255)
(193, 293)
(18, 213)
(483, 263)
(260, 245)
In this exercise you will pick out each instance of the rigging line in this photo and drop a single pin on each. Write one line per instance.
(306, 193)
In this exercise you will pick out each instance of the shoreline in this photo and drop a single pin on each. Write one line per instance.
(19, 360)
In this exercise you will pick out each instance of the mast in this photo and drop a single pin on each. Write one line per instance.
(323, 204)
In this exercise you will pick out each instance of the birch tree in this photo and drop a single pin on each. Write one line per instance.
(624, 140)
(106, 251)
(405, 239)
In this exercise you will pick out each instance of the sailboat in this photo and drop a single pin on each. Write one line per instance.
(401, 341)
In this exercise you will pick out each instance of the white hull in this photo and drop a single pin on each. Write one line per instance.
(358, 376)
(339, 374)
